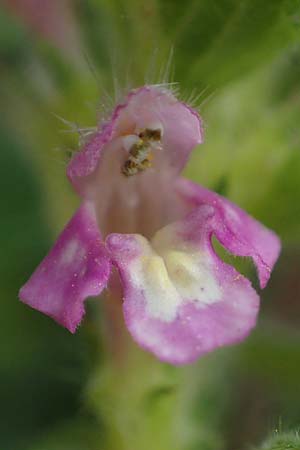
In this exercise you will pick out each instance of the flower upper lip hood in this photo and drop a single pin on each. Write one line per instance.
(180, 300)
(142, 106)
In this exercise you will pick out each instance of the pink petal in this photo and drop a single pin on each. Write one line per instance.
(180, 300)
(141, 108)
(238, 232)
(77, 267)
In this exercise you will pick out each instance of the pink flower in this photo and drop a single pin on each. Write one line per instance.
(52, 19)
(179, 299)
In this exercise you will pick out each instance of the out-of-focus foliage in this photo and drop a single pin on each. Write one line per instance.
(282, 441)
(243, 58)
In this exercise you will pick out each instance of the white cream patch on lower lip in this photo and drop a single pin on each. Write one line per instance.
(192, 276)
(161, 295)
(169, 277)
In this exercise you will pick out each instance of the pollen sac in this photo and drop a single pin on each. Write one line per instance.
(141, 150)
(150, 135)
(130, 168)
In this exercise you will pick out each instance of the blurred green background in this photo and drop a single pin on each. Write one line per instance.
(240, 62)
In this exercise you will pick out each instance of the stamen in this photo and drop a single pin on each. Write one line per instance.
(140, 147)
